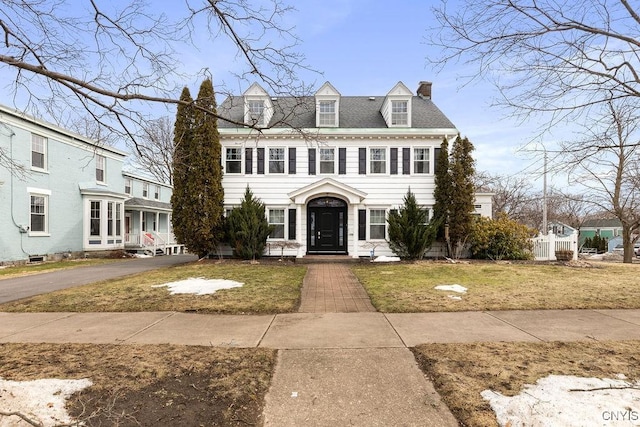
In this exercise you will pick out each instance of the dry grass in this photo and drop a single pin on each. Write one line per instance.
(151, 385)
(461, 371)
(7, 272)
(268, 288)
(409, 287)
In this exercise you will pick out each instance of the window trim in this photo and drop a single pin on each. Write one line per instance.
(239, 161)
(371, 224)
(414, 161)
(128, 183)
(370, 160)
(45, 146)
(325, 115)
(395, 115)
(145, 190)
(98, 218)
(156, 192)
(101, 159)
(320, 161)
(44, 214)
(283, 160)
(283, 223)
(255, 118)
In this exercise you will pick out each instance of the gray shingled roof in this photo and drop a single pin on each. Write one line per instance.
(602, 223)
(355, 112)
(137, 202)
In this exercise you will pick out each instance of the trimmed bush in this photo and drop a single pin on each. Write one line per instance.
(501, 238)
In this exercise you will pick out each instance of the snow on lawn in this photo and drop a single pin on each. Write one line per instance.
(199, 286)
(453, 288)
(559, 400)
(384, 258)
(39, 400)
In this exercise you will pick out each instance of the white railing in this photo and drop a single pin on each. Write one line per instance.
(150, 240)
(545, 247)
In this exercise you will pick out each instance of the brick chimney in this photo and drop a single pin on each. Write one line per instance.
(424, 90)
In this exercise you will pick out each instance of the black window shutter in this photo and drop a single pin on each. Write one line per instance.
(406, 161)
(248, 161)
(362, 161)
(292, 160)
(394, 161)
(261, 161)
(362, 224)
(436, 156)
(292, 224)
(312, 161)
(342, 161)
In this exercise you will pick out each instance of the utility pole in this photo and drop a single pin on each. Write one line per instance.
(545, 228)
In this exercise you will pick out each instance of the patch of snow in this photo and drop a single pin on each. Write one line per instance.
(453, 288)
(560, 400)
(199, 286)
(455, 297)
(384, 258)
(39, 400)
(142, 256)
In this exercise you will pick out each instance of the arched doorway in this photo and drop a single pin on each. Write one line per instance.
(327, 226)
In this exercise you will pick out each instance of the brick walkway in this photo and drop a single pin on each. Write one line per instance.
(333, 288)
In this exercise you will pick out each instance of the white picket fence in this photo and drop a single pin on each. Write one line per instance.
(545, 247)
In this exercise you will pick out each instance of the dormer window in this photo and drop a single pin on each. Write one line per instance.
(327, 106)
(256, 112)
(327, 113)
(399, 113)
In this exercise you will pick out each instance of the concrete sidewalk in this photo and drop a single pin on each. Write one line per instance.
(320, 330)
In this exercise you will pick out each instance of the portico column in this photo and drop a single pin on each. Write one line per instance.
(353, 232)
(299, 237)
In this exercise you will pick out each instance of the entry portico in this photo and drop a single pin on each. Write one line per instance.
(329, 210)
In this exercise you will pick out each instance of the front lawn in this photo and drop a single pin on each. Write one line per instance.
(268, 288)
(409, 287)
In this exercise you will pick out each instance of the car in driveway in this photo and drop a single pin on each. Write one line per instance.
(636, 249)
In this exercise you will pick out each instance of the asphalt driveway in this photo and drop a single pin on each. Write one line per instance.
(22, 287)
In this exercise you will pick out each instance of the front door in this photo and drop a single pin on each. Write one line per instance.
(327, 226)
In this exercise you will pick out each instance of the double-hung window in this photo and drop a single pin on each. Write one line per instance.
(377, 224)
(39, 212)
(327, 113)
(378, 160)
(100, 168)
(94, 221)
(276, 160)
(327, 160)
(234, 160)
(399, 113)
(145, 189)
(420, 160)
(276, 220)
(127, 186)
(156, 194)
(256, 112)
(38, 152)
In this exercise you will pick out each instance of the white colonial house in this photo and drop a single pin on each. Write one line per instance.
(329, 168)
(62, 194)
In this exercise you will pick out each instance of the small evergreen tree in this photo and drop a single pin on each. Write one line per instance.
(462, 170)
(197, 198)
(409, 234)
(248, 228)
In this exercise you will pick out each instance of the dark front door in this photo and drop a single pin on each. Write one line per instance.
(327, 228)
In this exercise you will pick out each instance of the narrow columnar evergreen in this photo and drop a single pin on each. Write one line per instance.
(462, 170)
(443, 190)
(409, 234)
(248, 228)
(198, 196)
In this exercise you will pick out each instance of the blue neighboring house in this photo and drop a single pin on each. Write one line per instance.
(63, 195)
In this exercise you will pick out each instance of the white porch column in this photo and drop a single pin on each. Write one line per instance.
(299, 237)
(353, 232)
(157, 222)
